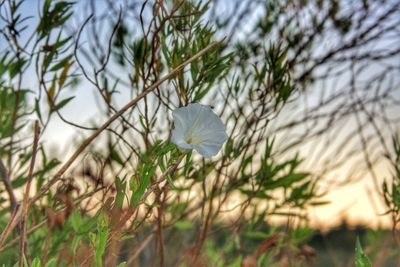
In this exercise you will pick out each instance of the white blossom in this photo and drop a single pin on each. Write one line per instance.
(198, 127)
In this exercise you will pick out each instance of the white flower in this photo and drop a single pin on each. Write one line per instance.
(198, 127)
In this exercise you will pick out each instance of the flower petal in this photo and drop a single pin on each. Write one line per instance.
(215, 137)
(207, 123)
(208, 149)
(181, 119)
(178, 139)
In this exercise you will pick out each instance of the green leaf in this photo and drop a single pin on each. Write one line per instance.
(140, 186)
(76, 220)
(20, 181)
(319, 203)
(62, 64)
(82, 225)
(25, 262)
(36, 263)
(139, 183)
(62, 103)
(396, 194)
(51, 263)
(52, 91)
(64, 74)
(121, 187)
(361, 259)
(8, 101)
(256, 235)
(75, 243)
(116, 157)
(183, 225)
(301, 235)
(101, 239)
(286, 180)
(16, 67)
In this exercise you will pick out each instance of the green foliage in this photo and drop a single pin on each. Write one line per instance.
(147, 168)
(100, 241)
(175, 46)
(299, 190)
(36, 263)
(183, 225)
(274, 75)
(128, 187)
(301, 235)
(361, 260)
(391, 190)
(121, 189)
(11, 104)
(54, 14)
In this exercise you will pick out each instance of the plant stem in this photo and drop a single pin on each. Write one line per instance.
(7, 184)
(25, 203)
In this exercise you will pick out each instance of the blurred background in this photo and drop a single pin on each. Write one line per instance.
(343, 120)
(317, 80)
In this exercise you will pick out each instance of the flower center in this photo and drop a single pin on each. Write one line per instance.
(192, 141)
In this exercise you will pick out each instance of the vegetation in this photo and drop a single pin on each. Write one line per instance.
(283, 76)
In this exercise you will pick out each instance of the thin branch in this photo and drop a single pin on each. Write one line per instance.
(25, 203)
(142, 245)
(12, 223)
(7, 184)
